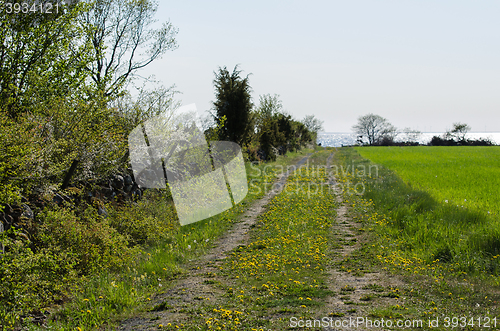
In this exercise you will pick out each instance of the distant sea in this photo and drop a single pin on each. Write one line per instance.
(338, 139)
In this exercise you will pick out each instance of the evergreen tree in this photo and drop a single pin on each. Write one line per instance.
(233, 101)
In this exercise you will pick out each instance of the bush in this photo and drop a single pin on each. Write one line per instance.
(147, 221)
(66, 244)
(89, 238)
(32, 279)
(438, 141)
(16, 150)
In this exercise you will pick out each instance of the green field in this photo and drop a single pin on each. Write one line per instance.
(447, 252)
(464, 176)
(434, 204)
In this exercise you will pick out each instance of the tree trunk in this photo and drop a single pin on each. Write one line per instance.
(69, 174)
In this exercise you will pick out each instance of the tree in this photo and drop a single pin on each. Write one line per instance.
(269, 136)
(313, 124)
(374, 128)
(269, 105)
(148, 103)
(119, 30)
(42, 55)
(42, 78)
(275, 130)
(302, 135)
(458, 132)
(233, 101)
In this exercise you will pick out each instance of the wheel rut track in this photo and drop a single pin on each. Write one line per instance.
(192, 286)
(195, 285)
(347, 284)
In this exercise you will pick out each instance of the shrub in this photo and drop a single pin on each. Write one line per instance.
(32, 279)
(89, 238)
(438, 141)
(147, 221)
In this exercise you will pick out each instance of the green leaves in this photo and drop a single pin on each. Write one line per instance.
(16, 152)
(41, 55)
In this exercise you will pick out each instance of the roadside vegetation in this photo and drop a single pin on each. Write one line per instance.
(297, 265)
(120, 279)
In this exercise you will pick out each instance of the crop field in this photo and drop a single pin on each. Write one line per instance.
(434, 205)
(462, 176)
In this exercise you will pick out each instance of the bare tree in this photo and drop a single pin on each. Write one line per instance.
(374, 128)
(148, 102)
(313, 124)
(458, 132)
(123, 40)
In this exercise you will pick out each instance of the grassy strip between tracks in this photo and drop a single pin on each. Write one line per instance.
(281, 271)
(110, 296)
(413, 236)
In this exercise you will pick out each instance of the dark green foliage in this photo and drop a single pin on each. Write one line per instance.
(279, 134)
(276, 131)
(266, 131)
(270, 136)
(443, 141)
(233, 101)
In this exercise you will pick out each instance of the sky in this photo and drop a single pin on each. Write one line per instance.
(420, 64)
